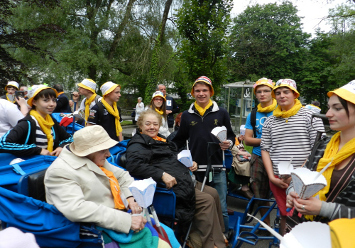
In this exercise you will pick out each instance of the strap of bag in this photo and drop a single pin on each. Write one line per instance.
(101, 113)
(253, 119)
(343, 180)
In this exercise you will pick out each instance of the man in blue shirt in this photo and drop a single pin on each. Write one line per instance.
(254, 125)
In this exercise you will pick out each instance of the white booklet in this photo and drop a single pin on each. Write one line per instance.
(220, 133)
(143, 191)
(306, 183)
(285, 168)
(185, 158)
(304, 235)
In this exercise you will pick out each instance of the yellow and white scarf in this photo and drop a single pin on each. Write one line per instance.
(291, 112)
(201, 110)
(113, 111)
(269, 108)
(14, 101)
(87, 106)
(46, 126)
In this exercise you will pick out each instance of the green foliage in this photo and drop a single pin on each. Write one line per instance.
(203, 25)
(267, 41)
(14, 39)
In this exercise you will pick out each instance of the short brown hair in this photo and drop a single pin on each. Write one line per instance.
(148, 112)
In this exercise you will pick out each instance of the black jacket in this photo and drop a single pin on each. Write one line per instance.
(150, 158)
(62, 104)
(21, 140)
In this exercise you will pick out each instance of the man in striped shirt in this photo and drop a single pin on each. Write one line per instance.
(287, 134)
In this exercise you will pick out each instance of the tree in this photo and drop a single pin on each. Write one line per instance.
(203, 25)
(103, 40)
(267, 41)
(316, 70)
(12, 39)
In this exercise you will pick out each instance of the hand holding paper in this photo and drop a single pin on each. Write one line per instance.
(143, 191)
(220, 133)
(307, 183)
(185, 158)
(285, 168)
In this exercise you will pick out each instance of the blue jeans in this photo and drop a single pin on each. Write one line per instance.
(219, 182)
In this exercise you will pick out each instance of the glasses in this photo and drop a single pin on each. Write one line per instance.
(262, 91)
(158, 100)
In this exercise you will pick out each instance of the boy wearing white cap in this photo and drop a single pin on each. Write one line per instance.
(196, 126)
(87, 88)
(287, 134)
(10, 88)
(106, 113)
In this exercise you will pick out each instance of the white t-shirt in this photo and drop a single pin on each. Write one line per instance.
(9, 116)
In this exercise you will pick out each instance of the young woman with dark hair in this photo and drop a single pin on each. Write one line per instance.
(37, 133)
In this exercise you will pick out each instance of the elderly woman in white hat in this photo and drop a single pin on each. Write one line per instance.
(158, 104)
(37, 133)
(106, 113)
(337, 198)
(87, 188)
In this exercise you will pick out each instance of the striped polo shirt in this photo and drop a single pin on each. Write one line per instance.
(290, 137)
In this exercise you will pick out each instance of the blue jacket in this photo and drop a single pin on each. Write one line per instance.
(21, 140)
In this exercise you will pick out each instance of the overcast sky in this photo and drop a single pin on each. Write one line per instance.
(312, 10)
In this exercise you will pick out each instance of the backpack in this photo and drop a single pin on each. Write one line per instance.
(253, 119)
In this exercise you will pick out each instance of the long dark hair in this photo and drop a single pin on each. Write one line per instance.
(345, 105)
(163, 106)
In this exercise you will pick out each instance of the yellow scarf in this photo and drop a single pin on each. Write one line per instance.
(46, 126)
(331, 152)
(9, 99)
(113, 111)
(291, 112)
(269, 108)
(87, 106)
(159, 139)
(161, 112)
(115, 188)
(201, 110)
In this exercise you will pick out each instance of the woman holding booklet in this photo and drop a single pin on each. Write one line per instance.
(150, 155)
(337, 198)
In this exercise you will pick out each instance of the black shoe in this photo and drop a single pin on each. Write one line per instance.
(229, 234)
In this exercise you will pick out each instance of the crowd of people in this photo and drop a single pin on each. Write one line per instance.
(86, 188)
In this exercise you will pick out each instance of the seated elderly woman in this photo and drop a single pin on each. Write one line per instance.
(337, 198)
(149, 155)
(83, 186)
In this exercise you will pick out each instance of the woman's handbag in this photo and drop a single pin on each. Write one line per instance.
(240, 167)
